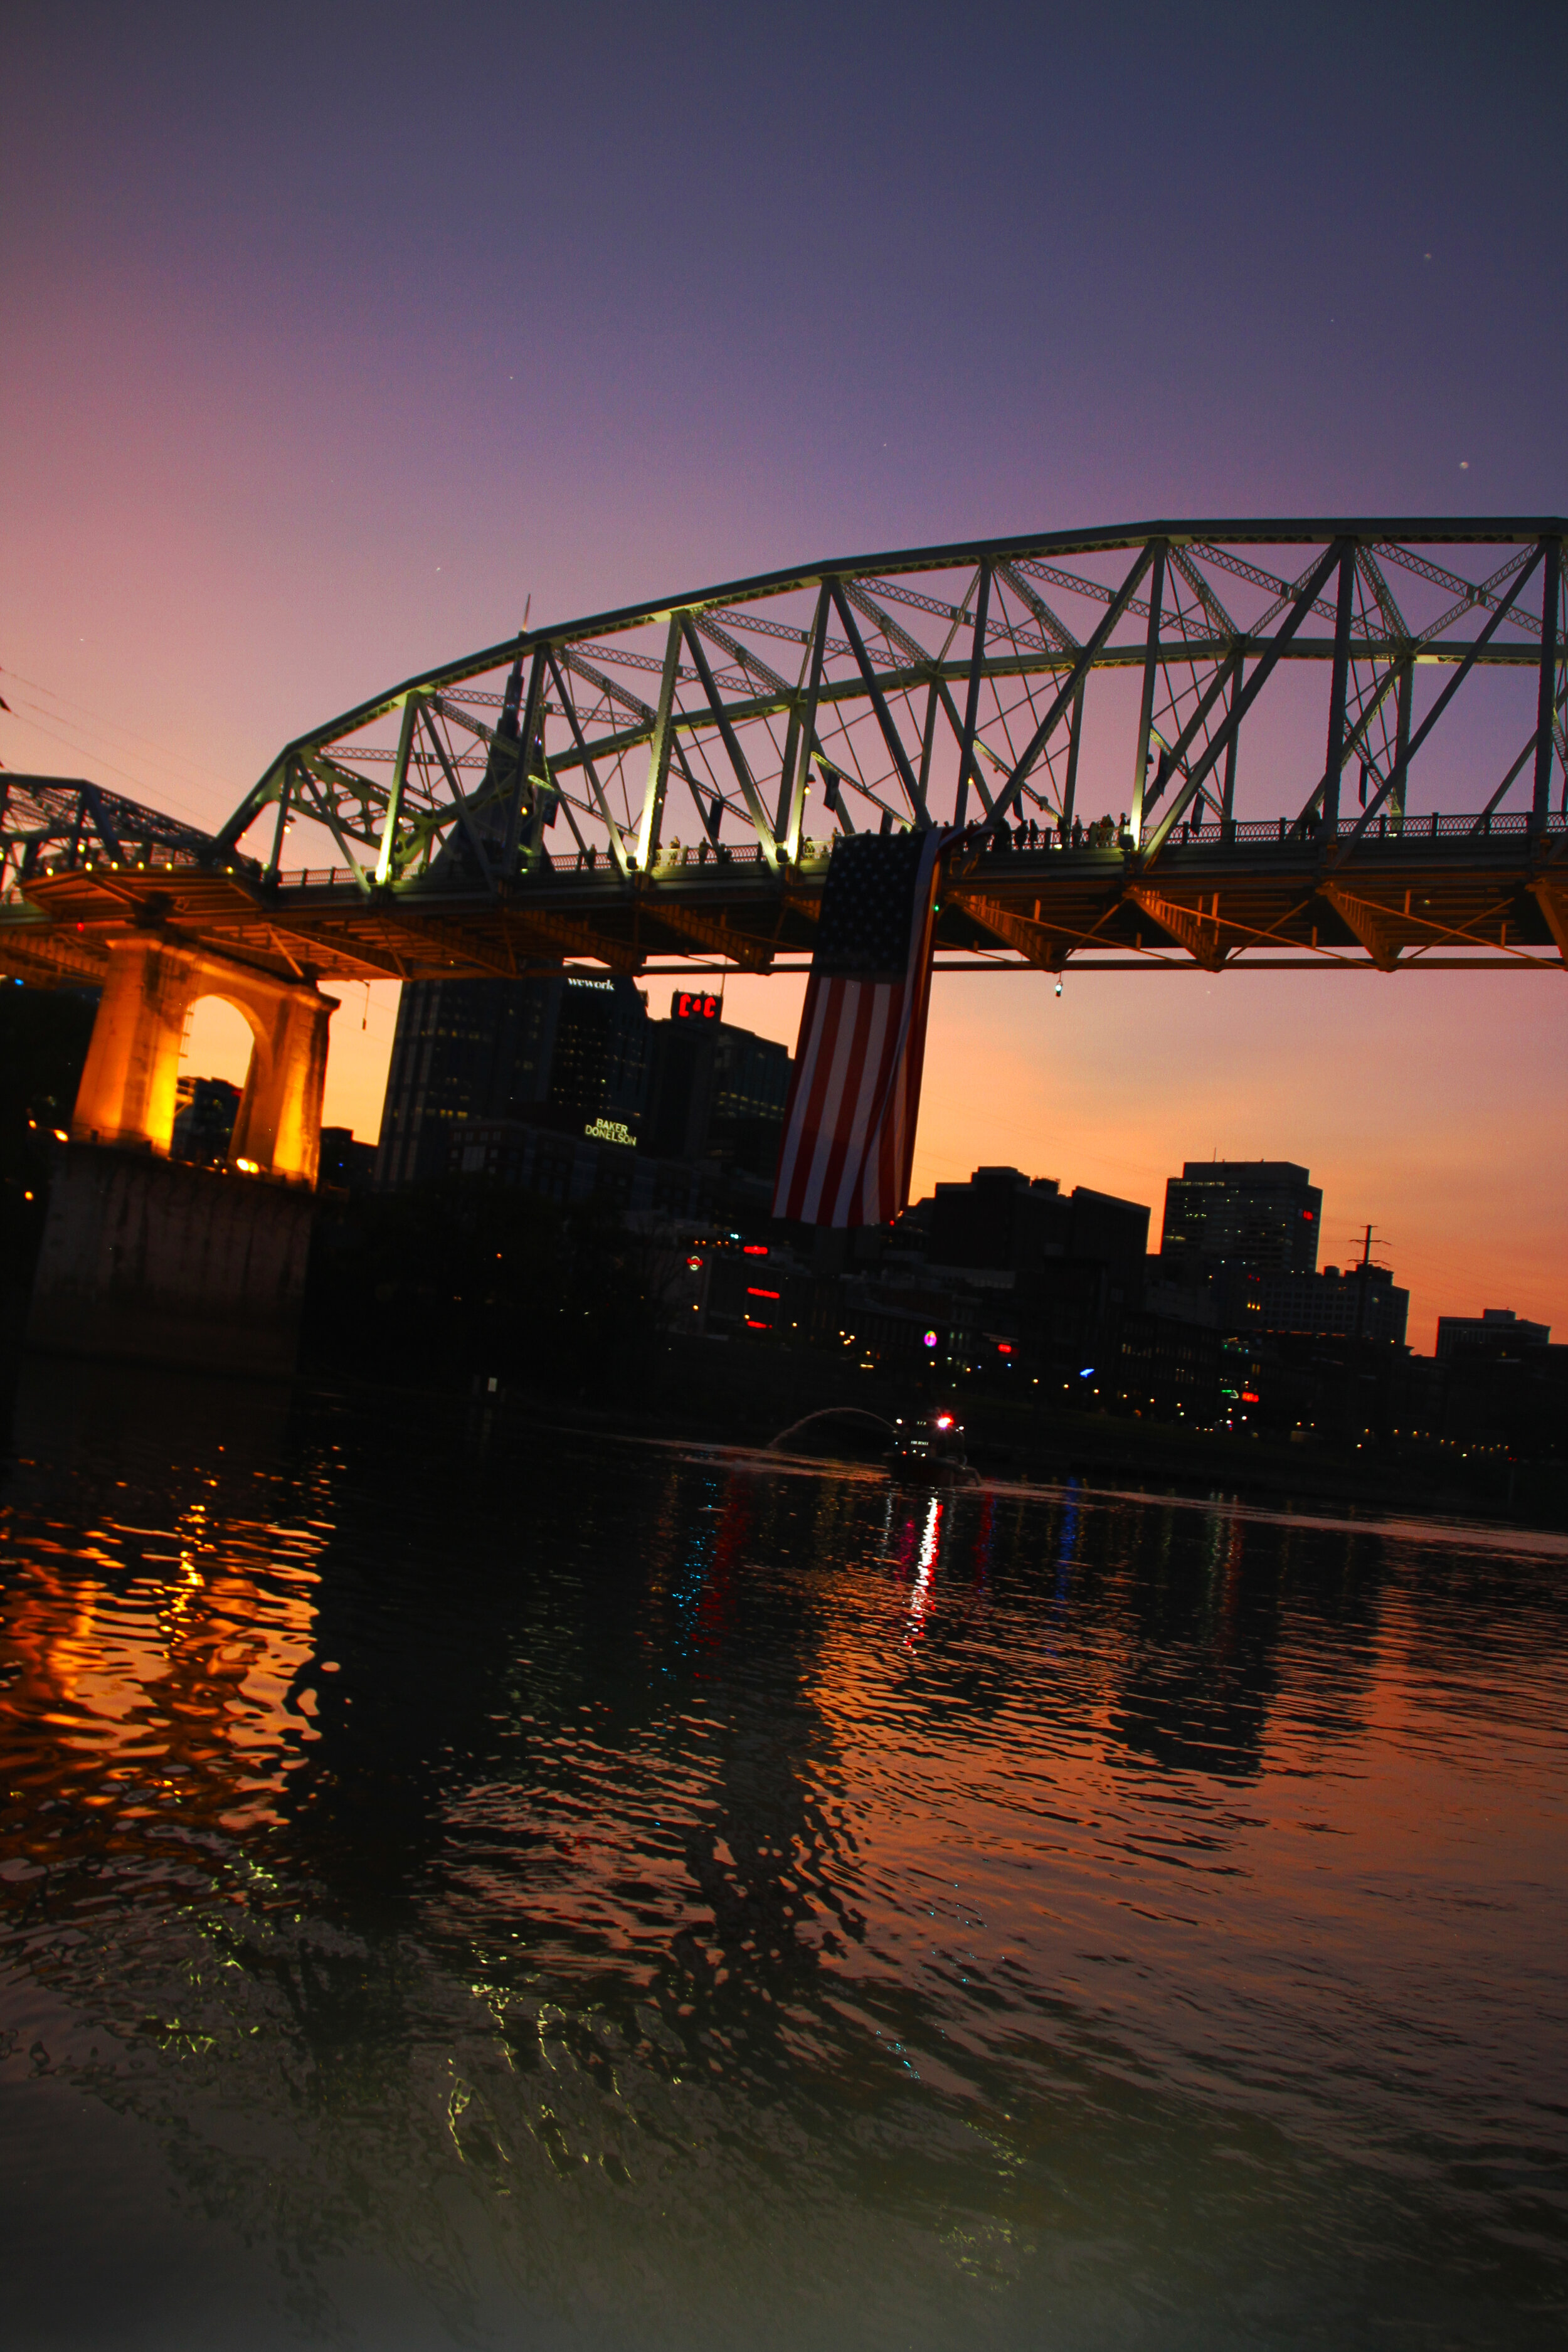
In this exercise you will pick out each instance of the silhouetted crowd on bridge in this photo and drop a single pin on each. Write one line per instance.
(1101, 833)
(986, 836)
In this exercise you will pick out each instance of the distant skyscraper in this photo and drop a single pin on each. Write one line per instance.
(578, 1054)
(1259, 1216)
(562, 1051)
(205, 1110)
(716, 1092)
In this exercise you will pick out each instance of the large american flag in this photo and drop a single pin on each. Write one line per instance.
(849, 1129)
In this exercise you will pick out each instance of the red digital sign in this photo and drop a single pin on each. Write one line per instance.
(688, 1005)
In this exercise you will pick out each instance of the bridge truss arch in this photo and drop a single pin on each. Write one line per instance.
(1202, 744)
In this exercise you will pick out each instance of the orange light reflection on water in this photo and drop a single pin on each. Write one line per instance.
(183, 1675)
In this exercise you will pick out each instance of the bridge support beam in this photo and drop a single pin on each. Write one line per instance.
(1045, 950)
(1366, 921)
(1552, 896)
(1196, 932)
(126, 1096)
(722, 937)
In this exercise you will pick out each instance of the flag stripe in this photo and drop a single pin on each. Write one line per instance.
(883, 1096)
(812, 1012)
(814, 1088)
(880, 1035)
(846, 1010)
(849, 1124)
(853, 1111)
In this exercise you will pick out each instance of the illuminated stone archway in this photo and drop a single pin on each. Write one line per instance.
(128, 1090)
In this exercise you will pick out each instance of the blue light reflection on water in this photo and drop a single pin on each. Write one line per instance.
(463, 1888)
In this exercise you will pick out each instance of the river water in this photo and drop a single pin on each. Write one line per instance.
(483, 1886)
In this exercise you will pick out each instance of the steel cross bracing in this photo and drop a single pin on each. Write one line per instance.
(51, 823)
(1188, 744)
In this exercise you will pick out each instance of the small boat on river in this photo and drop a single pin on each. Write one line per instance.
(928, 1451)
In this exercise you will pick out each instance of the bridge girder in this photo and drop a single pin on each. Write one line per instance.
(668, 779)
(1423, 900)
(934, 683)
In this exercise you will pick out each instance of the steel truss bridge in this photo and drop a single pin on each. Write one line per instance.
(1335, 744)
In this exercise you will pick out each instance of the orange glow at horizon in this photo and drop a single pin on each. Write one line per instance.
(1423, 1104)
(1401, 1094)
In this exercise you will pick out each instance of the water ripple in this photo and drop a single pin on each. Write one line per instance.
(637, 1894)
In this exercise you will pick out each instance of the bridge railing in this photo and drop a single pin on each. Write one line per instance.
(85, 860)
(1256, 833)
(1247, 833)
(673, 859)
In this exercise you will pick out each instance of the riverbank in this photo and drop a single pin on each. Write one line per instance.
(732, 1394)
(725, 1393)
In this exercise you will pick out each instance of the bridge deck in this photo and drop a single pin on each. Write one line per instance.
(1314, 667)
(1439, 891)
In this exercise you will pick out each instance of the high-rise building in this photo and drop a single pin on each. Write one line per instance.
(565, 1051)
(205, 1113)
(717, 1092)
(1260, 1216)
(576, 1055)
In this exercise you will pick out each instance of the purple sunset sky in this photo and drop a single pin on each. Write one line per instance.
(335, 333)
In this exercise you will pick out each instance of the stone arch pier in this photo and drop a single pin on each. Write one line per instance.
(128, 1091)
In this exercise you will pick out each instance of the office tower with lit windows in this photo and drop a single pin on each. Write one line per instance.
(1251, 1216)
(564, 1050)
(716, 1091)
(476, 1063)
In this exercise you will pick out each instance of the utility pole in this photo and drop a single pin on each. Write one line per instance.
(1364, 1269)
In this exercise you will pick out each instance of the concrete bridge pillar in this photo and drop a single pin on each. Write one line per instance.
(128, 1083)
(126, 1096)
(278, 1127)
(148, 1261)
